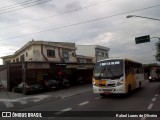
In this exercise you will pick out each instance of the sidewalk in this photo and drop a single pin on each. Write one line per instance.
(10, 95)
(73, 90)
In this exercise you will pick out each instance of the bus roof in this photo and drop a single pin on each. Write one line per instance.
(126, 59)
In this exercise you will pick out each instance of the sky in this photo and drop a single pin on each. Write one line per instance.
(84, 22)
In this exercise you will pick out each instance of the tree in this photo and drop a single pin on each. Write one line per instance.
(157, 56)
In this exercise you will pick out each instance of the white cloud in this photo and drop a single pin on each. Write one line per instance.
(116, 32)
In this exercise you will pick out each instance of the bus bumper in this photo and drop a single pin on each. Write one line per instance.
(109, 90)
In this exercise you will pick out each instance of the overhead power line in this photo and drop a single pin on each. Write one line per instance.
(61, 13)
(83, 22)
(20, 3)
(22, 6)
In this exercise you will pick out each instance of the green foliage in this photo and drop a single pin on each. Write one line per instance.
(157, 56)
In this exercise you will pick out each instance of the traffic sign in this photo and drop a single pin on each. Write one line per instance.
(142, 39)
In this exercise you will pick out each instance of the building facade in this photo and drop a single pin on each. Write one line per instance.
(44, 51)
(96, 51)
(84, 59)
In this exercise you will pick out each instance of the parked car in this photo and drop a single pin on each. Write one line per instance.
(1, 87)
(80, 81)
(65, 83)
(28, 87)
(50, 84)
(4, 84)
(56, 84)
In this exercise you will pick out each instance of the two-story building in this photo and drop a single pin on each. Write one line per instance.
(44, 51)
(54, 59)
(97, 52)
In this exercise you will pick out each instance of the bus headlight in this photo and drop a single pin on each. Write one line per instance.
(120, 82)
(94, 82)
(150, 77)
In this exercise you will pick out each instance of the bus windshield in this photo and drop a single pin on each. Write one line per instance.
(108, 69)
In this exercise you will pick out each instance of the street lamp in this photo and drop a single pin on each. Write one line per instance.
(129, 16)
(157, 55)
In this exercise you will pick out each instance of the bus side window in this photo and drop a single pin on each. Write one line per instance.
(126, 69)
(135, 70)
(132, 71)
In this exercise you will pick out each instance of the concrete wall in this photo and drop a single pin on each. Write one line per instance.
(27, 54)
(87, 50)
(36, 54)
(96, 51)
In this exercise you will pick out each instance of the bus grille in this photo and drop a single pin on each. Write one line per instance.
(102, 85)
(111, 85)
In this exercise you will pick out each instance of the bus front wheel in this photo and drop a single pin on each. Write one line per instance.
(140, 84)
(129, 89)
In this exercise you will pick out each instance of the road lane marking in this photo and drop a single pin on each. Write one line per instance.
(97, 98)
(153, 99)
(50, 118)
(83, 103)
(8, 104)
(156, 95)
(62, 111)
(38, 98)
(143, 118)
(23, 102)
(150, 106)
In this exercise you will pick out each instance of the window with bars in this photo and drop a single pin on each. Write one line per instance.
(65, 55)
(51, 53)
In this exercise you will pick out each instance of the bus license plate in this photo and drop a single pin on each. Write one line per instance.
(110, 82)
(107, 92)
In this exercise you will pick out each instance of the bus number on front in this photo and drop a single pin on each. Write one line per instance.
(110, 63)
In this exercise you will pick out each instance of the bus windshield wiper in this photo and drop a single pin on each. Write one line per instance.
(111, 72)
(102, 71)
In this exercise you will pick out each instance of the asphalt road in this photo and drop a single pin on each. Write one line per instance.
(90, 106)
